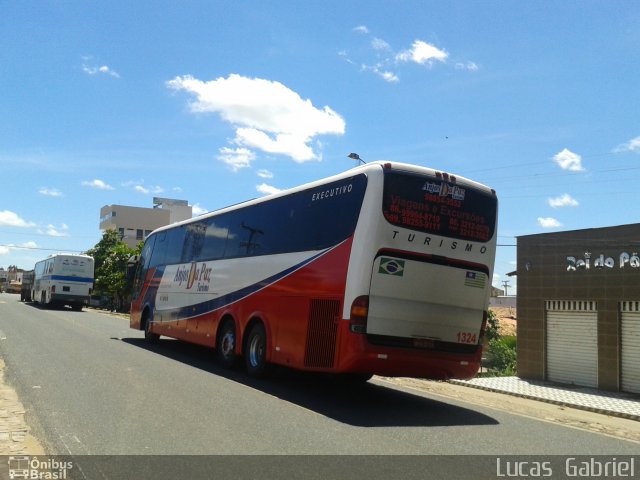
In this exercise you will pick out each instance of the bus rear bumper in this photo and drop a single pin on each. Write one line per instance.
(69, 299)
(364, 357)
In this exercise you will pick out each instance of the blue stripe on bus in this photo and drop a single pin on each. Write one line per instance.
(63, 278)
(198, 309)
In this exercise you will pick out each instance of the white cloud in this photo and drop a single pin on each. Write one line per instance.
(469, 66)
(389, 77)
(97, 184)
(4, 250)
(102, 70)
(267, 189)
(548, 222)
(198, 210)
(264, 173)
(567, 160)
(236, 158)
(379, 44)
(632, 145)
(11, 219)
(148, 190)
(267, 115)
(50, 192)
(53, 231)
(387, 60)
(564, 200)
(422, 53)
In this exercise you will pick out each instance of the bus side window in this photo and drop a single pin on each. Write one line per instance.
(145, 260)
(193, 242)
(175, 239)
(236, 236)
(215, 238)
(158, 254)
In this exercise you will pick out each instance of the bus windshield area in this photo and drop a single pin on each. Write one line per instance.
(438, 206)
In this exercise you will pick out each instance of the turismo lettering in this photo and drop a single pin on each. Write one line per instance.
(430, 242)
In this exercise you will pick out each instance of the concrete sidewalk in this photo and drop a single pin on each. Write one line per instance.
(609, 403)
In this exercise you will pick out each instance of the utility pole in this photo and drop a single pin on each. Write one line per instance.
(505, 284)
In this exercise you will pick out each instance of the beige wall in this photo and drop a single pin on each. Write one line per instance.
(544, 273)
(132, 219)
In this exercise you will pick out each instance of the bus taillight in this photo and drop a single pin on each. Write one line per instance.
(359, 313)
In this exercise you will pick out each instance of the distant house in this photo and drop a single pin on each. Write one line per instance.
(496, 292)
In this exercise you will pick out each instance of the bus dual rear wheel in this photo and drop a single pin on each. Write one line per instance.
(255, 356)
(226, 344)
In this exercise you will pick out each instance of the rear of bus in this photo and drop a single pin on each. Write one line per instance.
(72, 280)
(420, 275)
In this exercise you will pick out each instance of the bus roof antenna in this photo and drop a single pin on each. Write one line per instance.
(355, 156)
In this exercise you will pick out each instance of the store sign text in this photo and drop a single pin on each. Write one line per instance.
(624, 260)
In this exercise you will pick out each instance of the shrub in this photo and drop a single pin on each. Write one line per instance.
(502, 353)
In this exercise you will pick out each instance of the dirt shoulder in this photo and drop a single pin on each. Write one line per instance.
(507, 320)
(15, 436)
(571, 417)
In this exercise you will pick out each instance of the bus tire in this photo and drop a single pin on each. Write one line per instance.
(255, 355)
(226, 344)
(149, 336)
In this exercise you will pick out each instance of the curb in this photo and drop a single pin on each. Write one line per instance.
(604, 411)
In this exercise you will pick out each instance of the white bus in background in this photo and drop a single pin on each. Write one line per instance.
(63, 279)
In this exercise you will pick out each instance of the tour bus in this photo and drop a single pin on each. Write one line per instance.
(384, 269)
(63, 279)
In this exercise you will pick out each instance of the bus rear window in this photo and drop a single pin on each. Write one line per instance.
(433, 205)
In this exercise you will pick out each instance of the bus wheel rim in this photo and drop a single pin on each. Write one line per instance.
(228, 342)
(256, 351)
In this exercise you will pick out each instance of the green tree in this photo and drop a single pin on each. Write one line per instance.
(110, 256)
(493, 326)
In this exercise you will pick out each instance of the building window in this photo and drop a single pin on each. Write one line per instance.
(139, 234)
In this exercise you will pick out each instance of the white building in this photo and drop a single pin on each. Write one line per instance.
(134, 224)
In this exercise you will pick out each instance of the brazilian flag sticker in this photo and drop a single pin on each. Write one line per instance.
(391, 266)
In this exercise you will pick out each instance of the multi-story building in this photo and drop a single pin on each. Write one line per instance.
(135, 223)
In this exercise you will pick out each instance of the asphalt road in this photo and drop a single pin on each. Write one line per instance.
(91, 386)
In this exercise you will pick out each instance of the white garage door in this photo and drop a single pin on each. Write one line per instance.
(630, 347)
(572, 342)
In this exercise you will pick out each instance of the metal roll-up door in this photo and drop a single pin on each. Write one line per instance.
(572, 342)
(630, 347)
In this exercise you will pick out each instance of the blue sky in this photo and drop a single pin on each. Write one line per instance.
(220, 101)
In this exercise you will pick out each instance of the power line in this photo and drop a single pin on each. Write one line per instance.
(41, 248)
